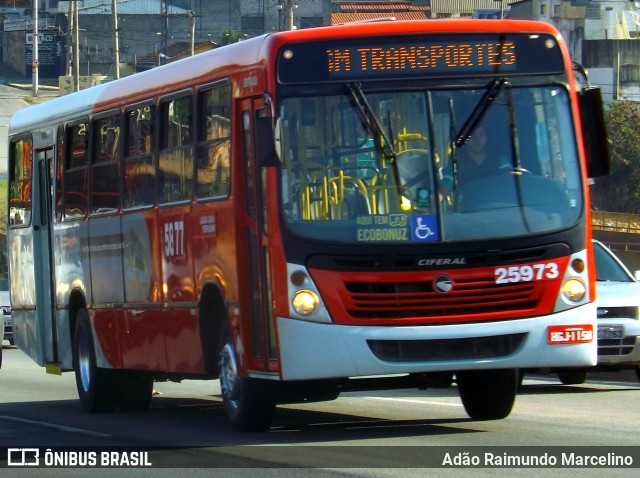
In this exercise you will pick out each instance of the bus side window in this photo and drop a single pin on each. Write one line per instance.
(20, 182)
(138, 169)
(59, 173)
(105, 170)
(75, 171)
(175, 181)
(214, 145)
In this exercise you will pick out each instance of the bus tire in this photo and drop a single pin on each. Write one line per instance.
(134, 391)
(96, 386)
(488, 394)
(249, 403)
(573, 377)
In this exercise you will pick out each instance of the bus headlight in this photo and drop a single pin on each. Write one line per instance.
(574, 290)
(305, 302)
(304, 298)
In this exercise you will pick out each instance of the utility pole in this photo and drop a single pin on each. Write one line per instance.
(289, 6)
(192, 24)
(34, 55)
(192, 31)
(116, 52)
(76, 48)
(68, 70)
(165, 25)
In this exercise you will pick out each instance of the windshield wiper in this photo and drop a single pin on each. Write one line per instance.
(480, 110)
(371, 121)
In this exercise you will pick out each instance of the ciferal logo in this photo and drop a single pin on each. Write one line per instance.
(23, 457)
(443, 284)
(443, 261)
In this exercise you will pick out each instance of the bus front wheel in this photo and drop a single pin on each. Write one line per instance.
(249, 403)
(573, 377)
(488, 394)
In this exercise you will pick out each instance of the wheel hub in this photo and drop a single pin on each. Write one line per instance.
(229, 375)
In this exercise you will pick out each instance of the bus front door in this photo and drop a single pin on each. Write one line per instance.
(42, 250)
(262, 337)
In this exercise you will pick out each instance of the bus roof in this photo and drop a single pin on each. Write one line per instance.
(247, 53)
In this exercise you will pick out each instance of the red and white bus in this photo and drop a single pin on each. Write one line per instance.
(292, 214)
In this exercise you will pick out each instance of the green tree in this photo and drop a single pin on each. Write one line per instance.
(229, 35)
(620, 192)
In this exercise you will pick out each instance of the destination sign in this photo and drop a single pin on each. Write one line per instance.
(426, 55)
(438, 57)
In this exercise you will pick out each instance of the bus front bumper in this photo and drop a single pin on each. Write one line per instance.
(310, 351)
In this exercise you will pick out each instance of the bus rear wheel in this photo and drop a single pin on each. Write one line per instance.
(101, 389)
(249, 403)
(488, 394)
(134, 391)
(96, 386)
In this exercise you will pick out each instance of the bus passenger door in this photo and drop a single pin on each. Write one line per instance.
(261, 328)
(42, 251)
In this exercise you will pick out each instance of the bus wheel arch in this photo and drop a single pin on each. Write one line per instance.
(76, 303)
(213, 321)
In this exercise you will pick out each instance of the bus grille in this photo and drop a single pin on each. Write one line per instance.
(394, 300)
(446, 349)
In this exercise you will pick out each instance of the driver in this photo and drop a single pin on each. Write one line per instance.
(473, 158)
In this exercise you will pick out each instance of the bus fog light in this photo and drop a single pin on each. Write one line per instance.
(305, 302)
(574, 290)
(298, 278)
(578, 265)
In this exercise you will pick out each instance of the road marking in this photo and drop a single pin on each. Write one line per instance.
(419, 402)
(57, 427)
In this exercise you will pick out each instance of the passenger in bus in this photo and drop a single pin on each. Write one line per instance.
(219, 164)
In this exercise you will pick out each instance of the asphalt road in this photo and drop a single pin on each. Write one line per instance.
(389, 434)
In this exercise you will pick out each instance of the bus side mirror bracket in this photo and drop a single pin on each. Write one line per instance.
(594, 132)
(268, 142)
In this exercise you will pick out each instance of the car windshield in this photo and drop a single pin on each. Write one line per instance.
(607, 267)
(403, 165)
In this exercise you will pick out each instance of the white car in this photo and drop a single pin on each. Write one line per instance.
(618, 301)
(6, 310)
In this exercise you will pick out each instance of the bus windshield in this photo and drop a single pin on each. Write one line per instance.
(490, 161)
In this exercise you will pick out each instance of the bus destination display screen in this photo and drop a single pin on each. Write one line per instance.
(371, 58)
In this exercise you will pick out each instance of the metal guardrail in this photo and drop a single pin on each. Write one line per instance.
(615, 222)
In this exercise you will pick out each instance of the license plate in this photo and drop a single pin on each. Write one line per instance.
(570, 334)
(610, 331)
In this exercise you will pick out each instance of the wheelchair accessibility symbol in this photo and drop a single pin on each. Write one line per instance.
(424, 228)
